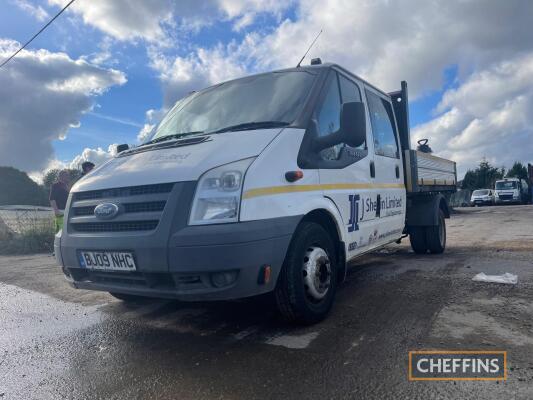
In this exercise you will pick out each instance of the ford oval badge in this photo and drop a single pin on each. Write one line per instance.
(105, 210)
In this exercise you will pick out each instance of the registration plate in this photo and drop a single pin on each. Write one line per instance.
(106, 260)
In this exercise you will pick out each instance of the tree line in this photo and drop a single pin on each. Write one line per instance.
(485, 175)
(16, 187)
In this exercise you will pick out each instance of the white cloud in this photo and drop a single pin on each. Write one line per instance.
(97, 156)
(156, 20)
(37, 12)
(45, 94)
(489, 115)
(145, 132)
(181, 75)
(388, 41)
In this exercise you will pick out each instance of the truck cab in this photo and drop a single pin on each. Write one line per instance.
(267, 183)
(511, 190)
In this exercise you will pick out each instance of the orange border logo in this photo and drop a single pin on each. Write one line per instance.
(449, 378)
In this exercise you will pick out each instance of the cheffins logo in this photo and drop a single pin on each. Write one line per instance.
(455, 365)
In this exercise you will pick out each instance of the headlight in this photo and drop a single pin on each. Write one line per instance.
(218, 194)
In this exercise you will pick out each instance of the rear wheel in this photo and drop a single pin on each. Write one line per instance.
(436, 236)
(307, 284)
(417, 236)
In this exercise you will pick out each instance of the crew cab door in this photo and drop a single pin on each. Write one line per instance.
(344, 171)
(388, 169)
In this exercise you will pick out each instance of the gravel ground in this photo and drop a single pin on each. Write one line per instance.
(57, 342)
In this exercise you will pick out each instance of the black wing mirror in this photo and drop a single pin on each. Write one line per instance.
(353, 123)
(352, 130)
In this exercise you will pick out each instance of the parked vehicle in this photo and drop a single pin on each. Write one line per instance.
(268, 183)
(482, 197)
(511, 190)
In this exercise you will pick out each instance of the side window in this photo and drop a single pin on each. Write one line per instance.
(338, 90)
(350, 93)
(384, 132)
(349, 90)
(329, 113)
(328, 116)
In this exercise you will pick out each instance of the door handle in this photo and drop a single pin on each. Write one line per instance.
(372, 169)
(397, 172)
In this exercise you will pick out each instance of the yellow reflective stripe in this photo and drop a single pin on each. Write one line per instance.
(272, 190)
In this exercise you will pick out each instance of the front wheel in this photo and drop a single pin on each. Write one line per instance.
(307, 284)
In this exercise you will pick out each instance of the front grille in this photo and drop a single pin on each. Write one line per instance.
(140, 208)
(81, 211)
(125, 192)
(114, 226)
(148, 206)
(506, 196)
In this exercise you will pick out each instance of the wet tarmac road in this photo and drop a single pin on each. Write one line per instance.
(57, 342)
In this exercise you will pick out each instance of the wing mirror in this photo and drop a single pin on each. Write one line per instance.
(352, 130)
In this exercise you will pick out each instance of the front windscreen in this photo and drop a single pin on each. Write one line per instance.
(480, 192)
(275, 98)
(502, 185)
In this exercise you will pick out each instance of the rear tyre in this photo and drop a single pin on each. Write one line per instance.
(129, 298)
(417, 236)
(307, 283)
(436, 236)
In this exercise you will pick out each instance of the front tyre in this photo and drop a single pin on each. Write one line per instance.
(307, 283)
(436, 236)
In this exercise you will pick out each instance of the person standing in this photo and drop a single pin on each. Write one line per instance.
(58, 197)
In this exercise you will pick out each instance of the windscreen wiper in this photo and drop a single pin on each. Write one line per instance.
(252, 125)
(169, 137)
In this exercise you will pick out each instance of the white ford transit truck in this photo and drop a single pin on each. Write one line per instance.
(511, 190)
(268, 183)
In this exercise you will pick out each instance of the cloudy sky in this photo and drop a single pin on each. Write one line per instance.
(105, 71)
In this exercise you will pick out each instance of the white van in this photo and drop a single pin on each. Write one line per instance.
(482, 197)
(511, 190)
(268, 183)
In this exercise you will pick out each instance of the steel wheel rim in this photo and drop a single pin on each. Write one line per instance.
(316, 273)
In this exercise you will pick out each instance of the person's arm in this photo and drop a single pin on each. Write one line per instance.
(53, 202)
(57, 211)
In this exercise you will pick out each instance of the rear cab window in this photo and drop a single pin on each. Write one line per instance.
(383, 127)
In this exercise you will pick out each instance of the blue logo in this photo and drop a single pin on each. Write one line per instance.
(105, 210)
(354, 213)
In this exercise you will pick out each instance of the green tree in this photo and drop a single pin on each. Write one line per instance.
(483, 176)
(518, 170)
(16, 187)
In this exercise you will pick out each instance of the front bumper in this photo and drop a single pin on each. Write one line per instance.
(499, 200)
(187, 266)
(481, 202)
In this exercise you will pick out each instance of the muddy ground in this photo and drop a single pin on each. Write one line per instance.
(57, 342)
